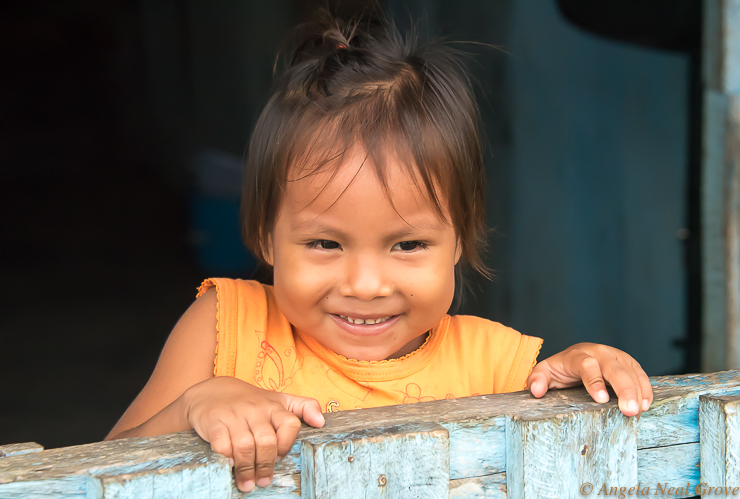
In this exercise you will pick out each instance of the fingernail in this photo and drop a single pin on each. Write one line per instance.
(535, 387)
(264, 481)
(602, 396)
(632, 406)
(231, 462)
(248, 485)
(645, 404)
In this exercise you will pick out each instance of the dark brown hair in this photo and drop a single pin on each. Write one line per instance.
(363, 84)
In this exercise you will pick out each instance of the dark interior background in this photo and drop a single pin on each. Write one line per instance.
(122, 125)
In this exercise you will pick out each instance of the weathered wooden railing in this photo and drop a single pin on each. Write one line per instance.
(510, 445)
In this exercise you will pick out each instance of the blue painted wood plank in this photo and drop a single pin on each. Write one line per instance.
(552, 458)
(672, 466)
(63, 472)
(282, 487)
(719, 422)
(674, 420)
(488, 487)
(409, 461)
(209, 480)
(477, 447)
(58, 488)
(20, 449)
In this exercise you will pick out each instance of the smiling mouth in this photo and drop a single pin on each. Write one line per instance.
(368, 322)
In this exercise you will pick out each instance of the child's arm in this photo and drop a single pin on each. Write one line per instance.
(594, 364)
(186, 360)
(241, 421)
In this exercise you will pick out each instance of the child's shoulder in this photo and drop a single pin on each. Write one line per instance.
(225, 285)
(510, 353)
(240, 296)
(470, 324)
(478, 333)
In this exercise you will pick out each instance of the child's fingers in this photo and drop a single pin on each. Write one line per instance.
(589, 370)
(627, 388)
(220, 440)
(242, 443)
(308, 409)
(646, 388)
(266, 447)
(287, 425)
(539, 379)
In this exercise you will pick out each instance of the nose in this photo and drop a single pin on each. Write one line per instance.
(365, 278)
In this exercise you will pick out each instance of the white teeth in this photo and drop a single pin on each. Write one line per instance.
(365, 321)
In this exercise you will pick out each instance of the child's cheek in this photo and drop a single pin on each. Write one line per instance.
(430, 287)
(301, 278)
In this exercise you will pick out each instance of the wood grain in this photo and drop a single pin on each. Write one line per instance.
(551, 458)
(719, 426)
(19, 449)
(408, 461)
(673, 465)
(720, 199)
(208, 480)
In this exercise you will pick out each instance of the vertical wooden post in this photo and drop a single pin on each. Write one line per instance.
(559, 456)
(720, 203)
(719, 430)
(408, 461)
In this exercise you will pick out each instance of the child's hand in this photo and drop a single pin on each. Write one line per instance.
(249, 425)
(593, 364)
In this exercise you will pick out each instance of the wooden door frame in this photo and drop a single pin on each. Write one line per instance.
(720, 190)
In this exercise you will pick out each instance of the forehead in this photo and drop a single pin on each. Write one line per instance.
(353, 188)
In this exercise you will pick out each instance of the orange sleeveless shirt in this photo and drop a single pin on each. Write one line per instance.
(463, 356)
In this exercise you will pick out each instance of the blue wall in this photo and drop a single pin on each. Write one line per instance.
(597, 189)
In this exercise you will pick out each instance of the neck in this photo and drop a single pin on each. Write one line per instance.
(411, 346)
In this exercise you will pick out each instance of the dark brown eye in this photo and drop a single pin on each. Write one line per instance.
(324, 244)
(410, 245)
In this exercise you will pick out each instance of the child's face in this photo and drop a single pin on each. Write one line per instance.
(349, 253)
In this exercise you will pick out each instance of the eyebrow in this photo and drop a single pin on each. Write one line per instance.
(314, 226)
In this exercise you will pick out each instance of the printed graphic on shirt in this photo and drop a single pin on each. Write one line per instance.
(413, 395)
(275, 371)
(332, 406)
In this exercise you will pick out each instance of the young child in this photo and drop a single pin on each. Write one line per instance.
(364, 194)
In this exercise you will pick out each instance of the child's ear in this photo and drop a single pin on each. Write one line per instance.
(458, 251)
